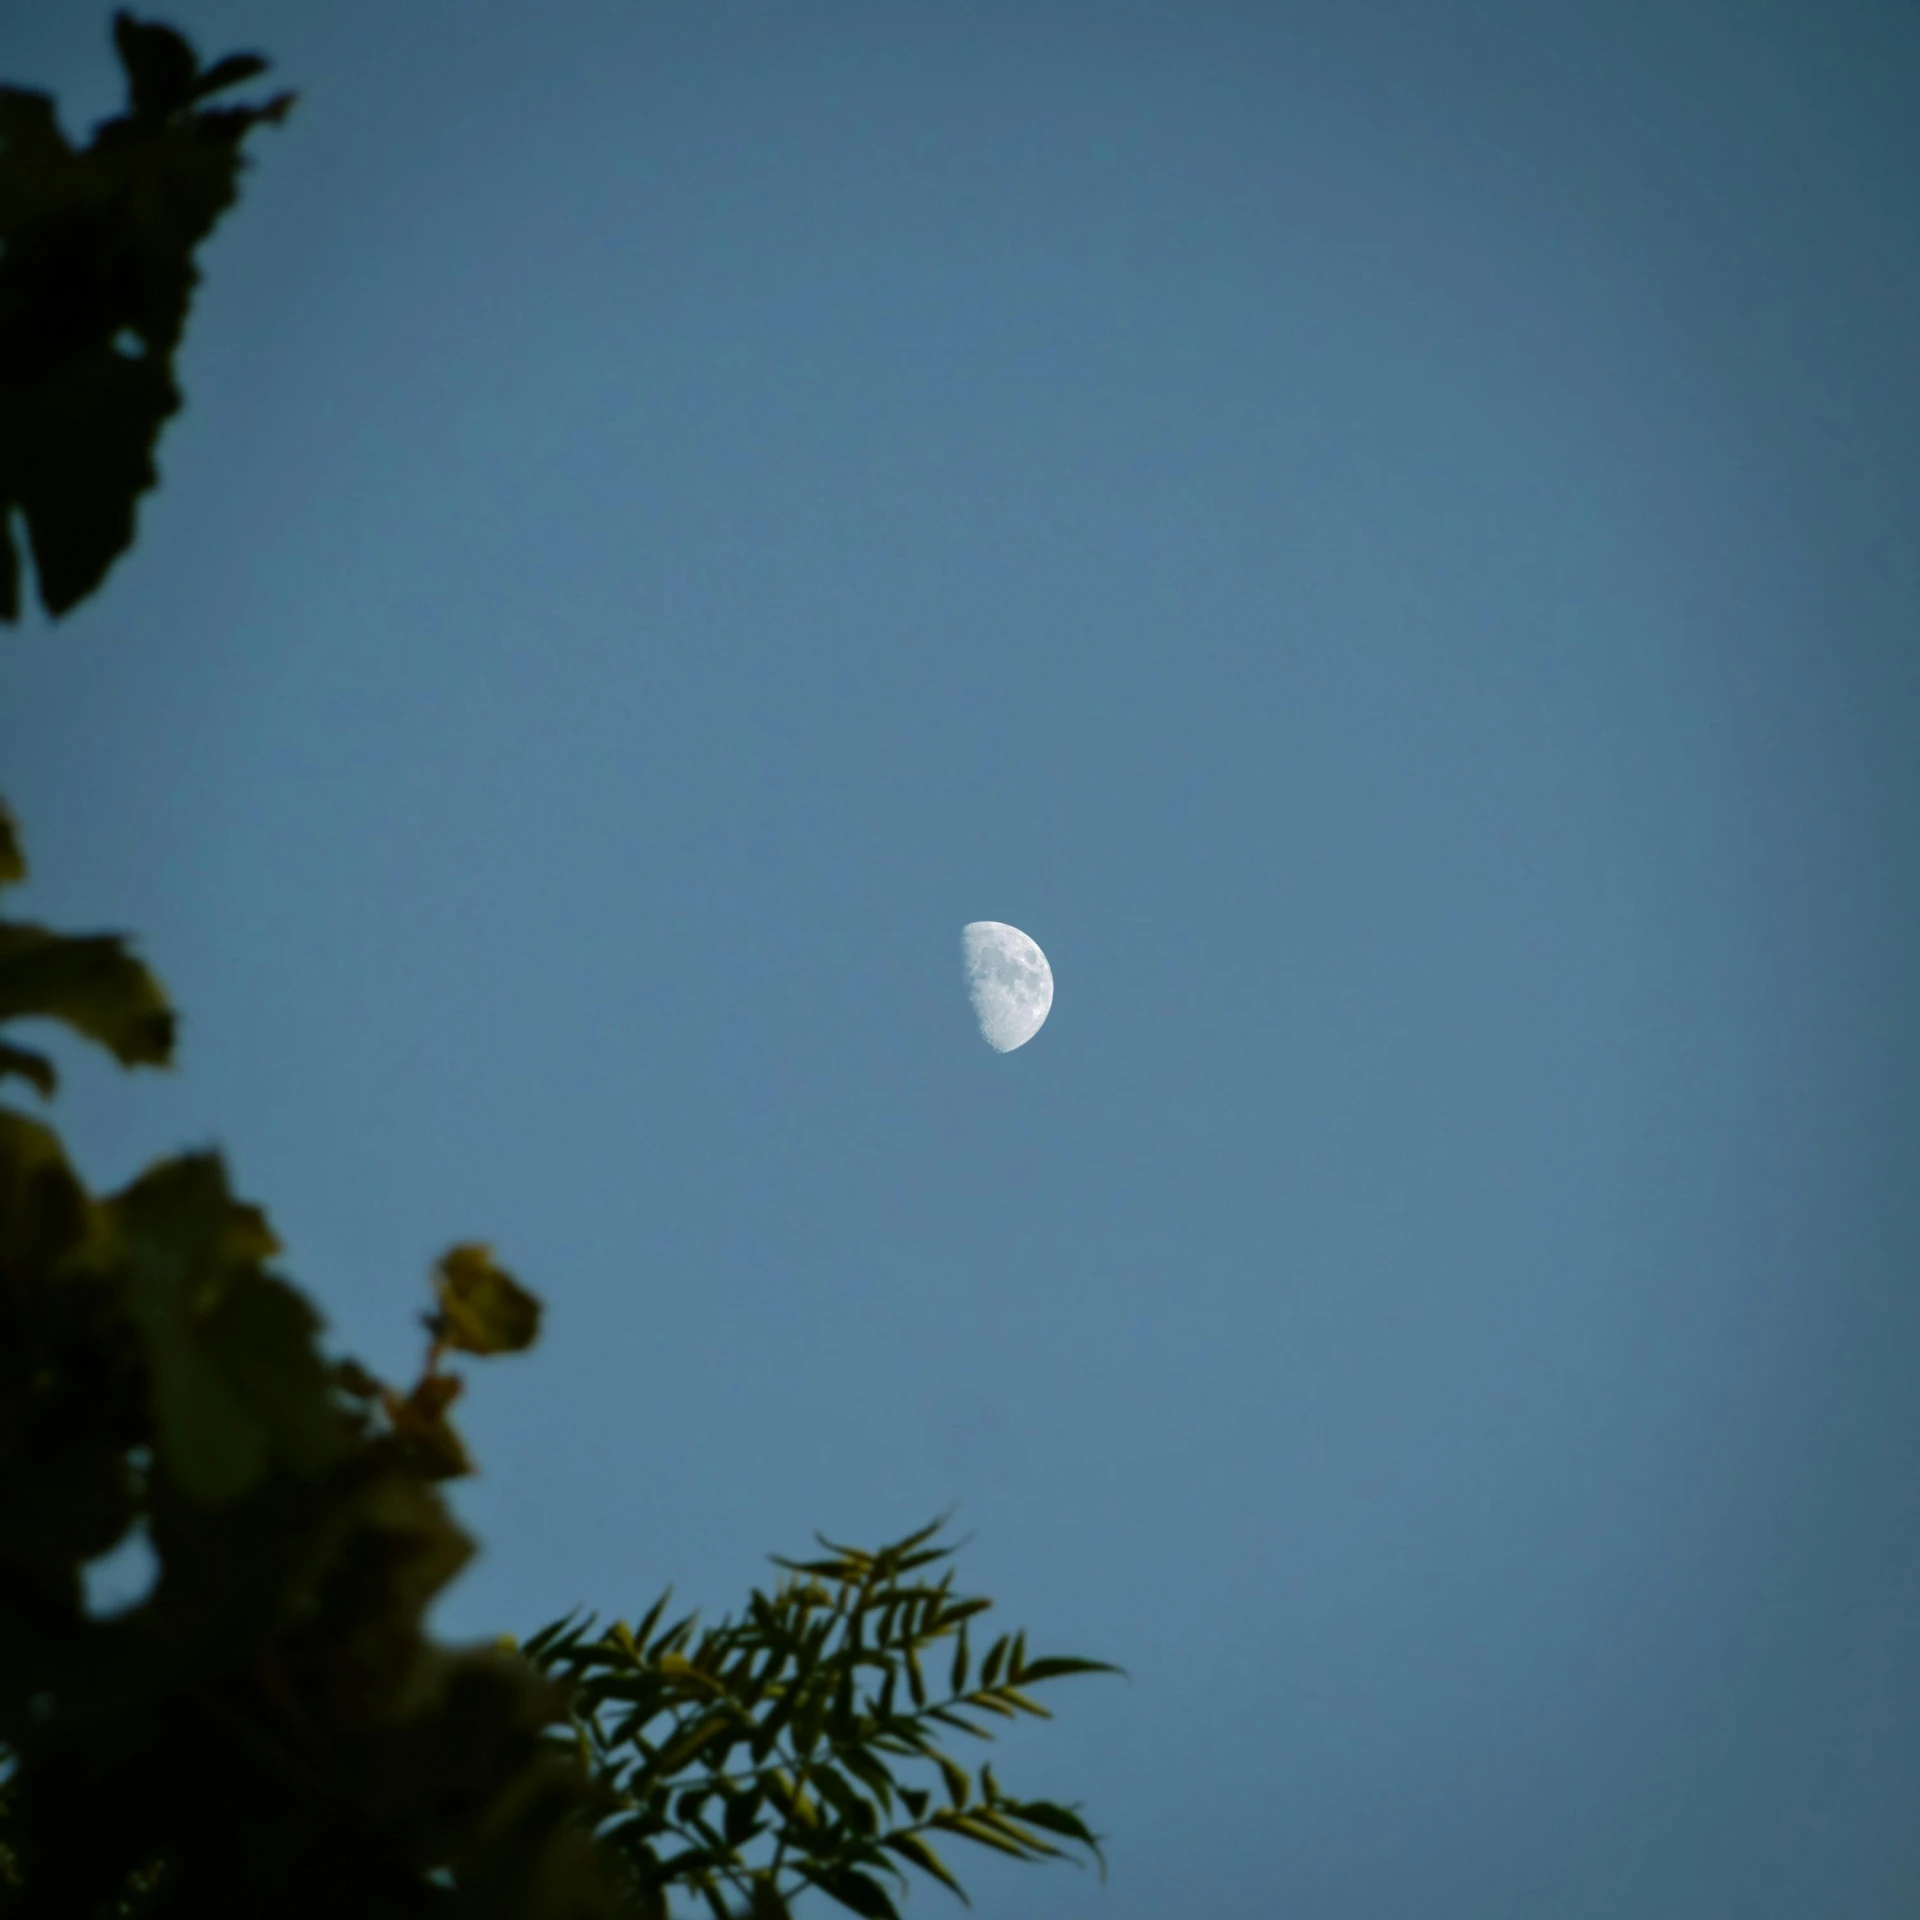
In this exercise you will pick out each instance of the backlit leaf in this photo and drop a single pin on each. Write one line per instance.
(910, 1846)
(959, 1785)
(971, 1827)
(483, 1309)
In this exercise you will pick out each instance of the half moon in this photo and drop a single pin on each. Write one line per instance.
(1009, 981)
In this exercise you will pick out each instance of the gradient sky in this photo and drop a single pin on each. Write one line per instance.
(1384, 536)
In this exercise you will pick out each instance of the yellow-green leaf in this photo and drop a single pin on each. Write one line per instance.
(483, 1309)
(969, 1827)
(909, 1846)
(959, 1786)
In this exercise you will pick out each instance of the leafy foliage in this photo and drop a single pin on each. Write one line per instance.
(96, 275)
(270, 1729)
(764, 1755)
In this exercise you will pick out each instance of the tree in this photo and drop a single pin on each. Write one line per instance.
(821, 1691)
(272, 1730)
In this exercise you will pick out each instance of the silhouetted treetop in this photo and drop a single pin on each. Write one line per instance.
(96, 276)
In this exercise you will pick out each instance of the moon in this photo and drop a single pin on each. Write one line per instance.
(1009, 981)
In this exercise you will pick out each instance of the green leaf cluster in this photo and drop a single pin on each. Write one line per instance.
(805, 1744)
(271, 1729)
(96, 276)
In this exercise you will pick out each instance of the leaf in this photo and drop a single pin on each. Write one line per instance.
(970, 1826)
(871, 1774)
(483, 1309)
(911, 1562)
(996, 1655)
(689, 1740)
(90, 983)
(792, 1801)
(1055, 1819)
(959, 1785)
(229, 72)
(840, 1718)
(652, 1620)
(742, 1820)
(26, 1065)
(1002, 1822)
(1053, 1669)
(858, 1892)
(909, 1846)
(355, 1381)
(237, 1376)
(45, 1213)
(13, 863)
(957, 1679)
(160, 65)
(852, 1806)
(686, 1677)
(537, 1645)
(946, 1717)
(668, 1641)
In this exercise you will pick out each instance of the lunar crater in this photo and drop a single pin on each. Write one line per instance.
(1009, 981)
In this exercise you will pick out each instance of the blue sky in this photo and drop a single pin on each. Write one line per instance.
(1383, 536)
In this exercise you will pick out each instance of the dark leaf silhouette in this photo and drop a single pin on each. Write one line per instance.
(794, 1716)
(92, 984)
(97, 272)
